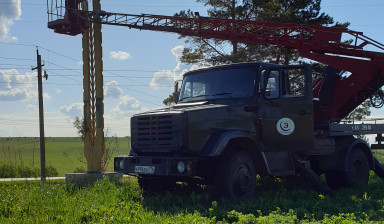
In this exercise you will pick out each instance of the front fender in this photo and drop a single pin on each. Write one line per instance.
(219, 140)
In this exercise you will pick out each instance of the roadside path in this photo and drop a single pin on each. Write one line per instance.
(30, 179)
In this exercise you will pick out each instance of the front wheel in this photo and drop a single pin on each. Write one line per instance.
(236, 177)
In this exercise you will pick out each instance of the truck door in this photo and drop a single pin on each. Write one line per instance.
(286, 108)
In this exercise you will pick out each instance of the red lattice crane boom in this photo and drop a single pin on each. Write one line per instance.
(321, 44)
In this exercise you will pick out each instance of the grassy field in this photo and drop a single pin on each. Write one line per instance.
(288, 200)
(65, 154)
(276, 201)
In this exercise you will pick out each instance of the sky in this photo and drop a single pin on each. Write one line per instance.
(140, 67)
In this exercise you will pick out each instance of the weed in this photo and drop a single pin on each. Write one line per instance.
(123, 202)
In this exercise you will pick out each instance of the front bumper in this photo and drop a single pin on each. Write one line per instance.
(156, 166)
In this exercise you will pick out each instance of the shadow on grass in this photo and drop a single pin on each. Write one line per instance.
(288, 197)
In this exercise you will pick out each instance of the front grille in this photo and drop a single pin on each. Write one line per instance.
(156, 132)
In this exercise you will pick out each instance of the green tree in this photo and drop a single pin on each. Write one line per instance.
(171, 99)
(111, 143)
(78, 123)
(213, 52)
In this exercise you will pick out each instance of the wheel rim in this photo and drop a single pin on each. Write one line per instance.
(241, 181)
(358, 169)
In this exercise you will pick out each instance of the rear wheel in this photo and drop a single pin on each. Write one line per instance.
(358, 169)
(357, 172)
(236, 177)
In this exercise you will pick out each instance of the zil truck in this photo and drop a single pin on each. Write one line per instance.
(233, 122)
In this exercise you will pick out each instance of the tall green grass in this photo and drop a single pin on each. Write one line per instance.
(64, 154)
(278, 201)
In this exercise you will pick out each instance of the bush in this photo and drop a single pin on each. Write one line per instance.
(51, 171)
(79, 170)
(14, 171)
(17, 171)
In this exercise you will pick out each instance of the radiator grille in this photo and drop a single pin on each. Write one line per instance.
(156, 132)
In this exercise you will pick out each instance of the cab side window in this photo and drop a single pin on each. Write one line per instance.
(293, 83)
(285, 83)
(272, 84)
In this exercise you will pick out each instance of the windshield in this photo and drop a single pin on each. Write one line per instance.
(233, 83)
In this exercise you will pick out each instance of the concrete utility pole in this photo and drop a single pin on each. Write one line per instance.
(41, 116)
(93, 93)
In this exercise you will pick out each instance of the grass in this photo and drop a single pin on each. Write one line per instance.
(280, 201)
(286, 200)
(64, 154)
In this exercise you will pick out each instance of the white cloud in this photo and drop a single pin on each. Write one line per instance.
(126, 107)
(18, 87)
(9, 12)
(22, 125)
(120, 55)
(31, 108)
(74, 110)
(113, 90)
(166, 78)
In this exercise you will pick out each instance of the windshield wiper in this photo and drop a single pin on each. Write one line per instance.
(220, 94)
(191, 97)
(205, 95)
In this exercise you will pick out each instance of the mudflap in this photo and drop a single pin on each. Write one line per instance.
(379, 169)
(307, 173)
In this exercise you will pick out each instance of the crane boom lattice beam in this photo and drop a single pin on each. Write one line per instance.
(326, 45)
(270, 33)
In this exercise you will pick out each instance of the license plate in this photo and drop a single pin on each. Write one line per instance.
(145, 169)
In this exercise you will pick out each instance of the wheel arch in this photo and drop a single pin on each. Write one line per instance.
(230, 141)
(363, 145)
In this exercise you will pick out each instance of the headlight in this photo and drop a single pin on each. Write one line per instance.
(181, 167)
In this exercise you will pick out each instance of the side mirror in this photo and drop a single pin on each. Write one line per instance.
(176, 92)
(264, 80)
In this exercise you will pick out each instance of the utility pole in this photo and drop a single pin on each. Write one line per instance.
(41, 116)
(94, 145)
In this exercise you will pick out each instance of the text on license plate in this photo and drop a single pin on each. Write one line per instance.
(145, 169)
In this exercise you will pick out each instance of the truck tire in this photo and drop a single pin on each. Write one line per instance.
(235, 176)
(358, 169)
(357, 172)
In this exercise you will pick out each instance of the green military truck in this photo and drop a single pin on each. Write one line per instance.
(235, 121)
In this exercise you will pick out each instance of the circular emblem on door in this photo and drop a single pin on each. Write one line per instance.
(285, 126)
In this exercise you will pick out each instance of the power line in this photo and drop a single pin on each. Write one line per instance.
(21, 59)
(146, 6)
(69, 84)
(350, 6)
(20, 44)
(59, 54)
(66, 77)
(40, 47)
